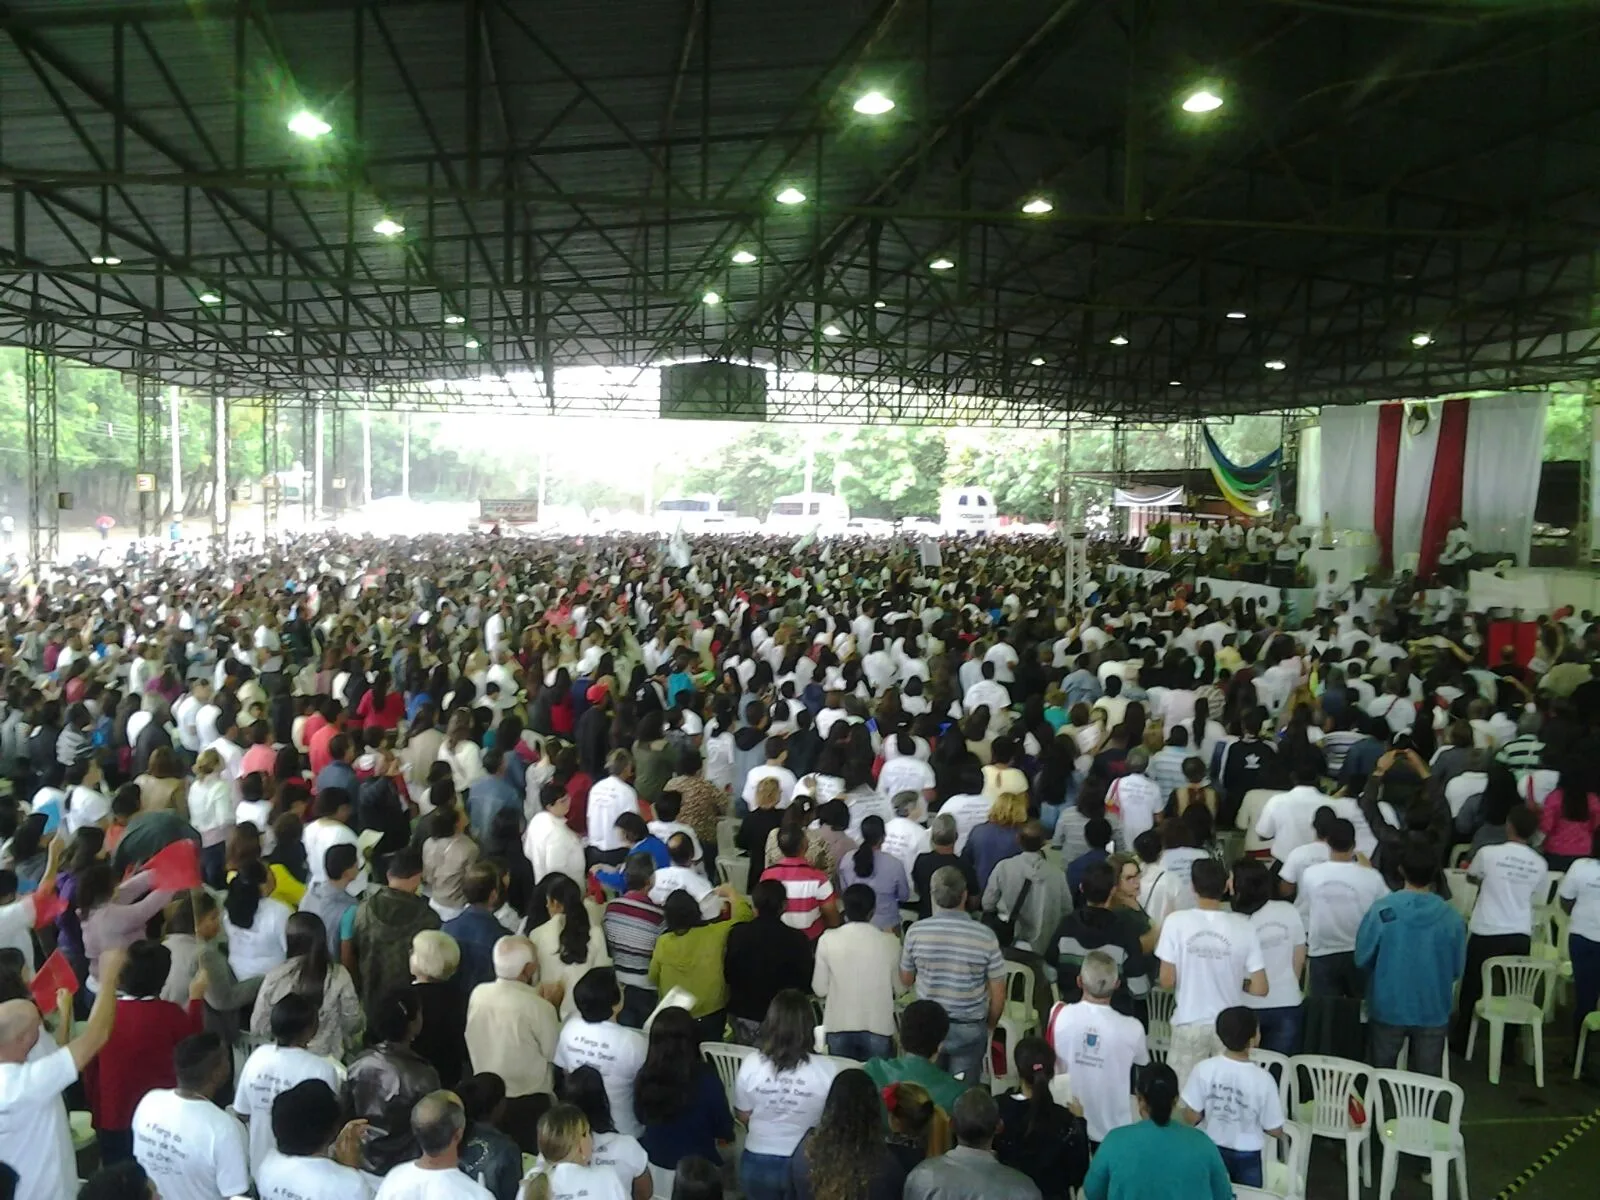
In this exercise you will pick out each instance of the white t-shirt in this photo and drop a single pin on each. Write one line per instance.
(269, 1071)
(323, 835)
(1213, 953)
(1302, 857)
(256, 950)
(16, 927)
(608, 800)
(1281, 931)
(615, 1052)
(905, 839)
(191, 1149)
(1286, 819)
(409, 1181)
(621, 1154)
(1097, 1048)
(672, 879)
(1511, 880)
(574, 1181)
(908, 773)
(968, 812)
(296, 1177)
(1336, 895)
(1239, 1099)
(35, 1140)
(783, 775)
(783, 1105)
(1581, 883)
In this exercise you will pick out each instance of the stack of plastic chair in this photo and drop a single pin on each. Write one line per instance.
(1521, 1001)
(1321, 1089)
(1590, 1022)
(727, 835)
(1408, 1121)
(734, 869)
(1018, 1018)
(726, 1059)
(1463, 893)
(1158, 1037)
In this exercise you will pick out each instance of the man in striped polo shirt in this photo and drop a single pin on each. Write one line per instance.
(956, 962)
(809, 903)
(632, 923)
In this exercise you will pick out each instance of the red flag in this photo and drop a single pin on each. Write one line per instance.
(176, 868)
(47, 908)
(56, 974)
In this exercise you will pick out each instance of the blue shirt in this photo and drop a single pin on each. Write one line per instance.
(1147, 1161)
(1413, 946)
(1077, 867)
(488, 796)
(888, 883)
(653, 846)
(338, 775)
(476, 932)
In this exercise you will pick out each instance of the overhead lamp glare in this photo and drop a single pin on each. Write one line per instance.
(454, 319)
(791, 195)
(1119, 340)
(277, 331)
(1237, 314)
(210, 298)
(873, 104)
(1276, 364)
(743, 257)
(472, 343)
(711, 299)
(941, 264)
(388, 227)
(831, 330)
(1174, 383)
(879, 304)
(308, 125)
(1419, 340)
(1202, 101)
(1037, 360)
(1037, 206)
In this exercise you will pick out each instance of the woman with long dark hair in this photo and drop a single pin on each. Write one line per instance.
(1157, 1158)
(256, 924)
(1282, 933)
(847, 1156)
(883, 873)
(780, 1093)
(619, 1153)
(381, 706)
(1569, 818)
(309, 971)
(678, 1097)
(1037, 1136)
(569, 944)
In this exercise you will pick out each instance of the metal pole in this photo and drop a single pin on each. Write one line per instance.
(405, 459)
(175, 404)
(44, 466)
(366, 454)
(219, 458)
(316, 463)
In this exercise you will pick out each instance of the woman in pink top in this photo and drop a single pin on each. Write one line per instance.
(1571, 815)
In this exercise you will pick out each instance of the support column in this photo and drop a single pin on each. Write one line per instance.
(405, 456)
(1119, 470)
(269, 466)
(219, 457)
(174, 406)
(44, 466)
(544, 470)
(366, 454)
(148, 399)
(317, 494)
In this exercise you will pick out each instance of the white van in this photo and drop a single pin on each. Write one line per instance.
(703, 510)
(804, 511)
(968, 510)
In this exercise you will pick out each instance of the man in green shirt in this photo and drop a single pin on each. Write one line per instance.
(923, 1026)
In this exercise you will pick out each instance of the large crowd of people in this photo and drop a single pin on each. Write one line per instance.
(492, 838)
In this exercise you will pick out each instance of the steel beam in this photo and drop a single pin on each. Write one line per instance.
(43, 444)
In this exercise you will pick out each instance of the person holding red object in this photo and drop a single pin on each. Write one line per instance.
(138, 1056)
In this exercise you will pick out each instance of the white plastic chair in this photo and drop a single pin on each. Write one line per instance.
(1161, 1004)
(1463, 893)
(1018, 1018)
(1320, 1090)
(1592, 1021)
(726, 1059)
(727, 832)
(1528, 982)
(734, 869)
(661, 1181)
(1276, 1065)
(1407, 1120)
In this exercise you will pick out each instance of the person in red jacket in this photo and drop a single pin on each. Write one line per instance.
(138, 1057)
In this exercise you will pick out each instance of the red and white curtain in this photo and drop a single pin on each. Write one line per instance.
(1407, 470)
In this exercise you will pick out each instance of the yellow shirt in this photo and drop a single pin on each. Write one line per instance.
(693, 961)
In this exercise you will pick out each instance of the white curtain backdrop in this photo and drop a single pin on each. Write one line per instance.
(1308, 483)
(1505, 444)
(1349, 467)
(1412, 482)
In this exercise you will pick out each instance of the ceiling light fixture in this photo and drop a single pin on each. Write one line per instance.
(1037, 207)
(210, 298)
(308, 125)
(105, 260)
(743, 257)
(277, 331)
(712, 299)
(1119, 340)
(472, 343)
(1236, 315)
(1419, 340)
(941, 264)
(388, 227)
(454, 319)
(1276, 364)
(791, 195)
(1174, 383)
(832, 331)
(1037, 360)
(879, 304)
(1202, 101)
(873, 104)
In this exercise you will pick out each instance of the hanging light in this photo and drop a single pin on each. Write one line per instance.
(873, 104)
(388, 227)
(1203, 100)
(1236, 315)
(1419, 340)
(711, 299)
(210, 298)
(831, 330)
(1276, 364)
(454, 319)
(472, 343)
(308, 125)
(941, 264)
(1037, 206)
(105, 260)
(791, 195)
(1037, 360)
(743, 257)
(1119, 340)
(277, 331)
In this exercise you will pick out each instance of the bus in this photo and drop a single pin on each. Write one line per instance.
(805, 511)
(968, 510)
(703, 510)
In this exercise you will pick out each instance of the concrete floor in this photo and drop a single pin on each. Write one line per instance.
(1508, 1127)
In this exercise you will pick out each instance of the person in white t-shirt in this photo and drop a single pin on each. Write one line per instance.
(316, 1158)
(905, 836)
(1235, 1100)
(567, 1166)
(1335, 896)
(1211, 958)
(1097, 1048)
(778, 1095)
(1286, 818)
(777, 752)
(190, 1148)
(1306, 855)
(1580, 897)
(35, 1140)
(274, 1069)
(437, 1122)
(1512, 877)
(592, 1038)
(619, 1153)
(905, 772)
(1281, 930)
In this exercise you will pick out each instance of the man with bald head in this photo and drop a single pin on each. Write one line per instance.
(34, 1138)
(438, 1121)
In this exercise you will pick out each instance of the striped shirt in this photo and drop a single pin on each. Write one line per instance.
(806, 890)
(632, 923)
(1335, 746)
(1522, 754)
(954, 958)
